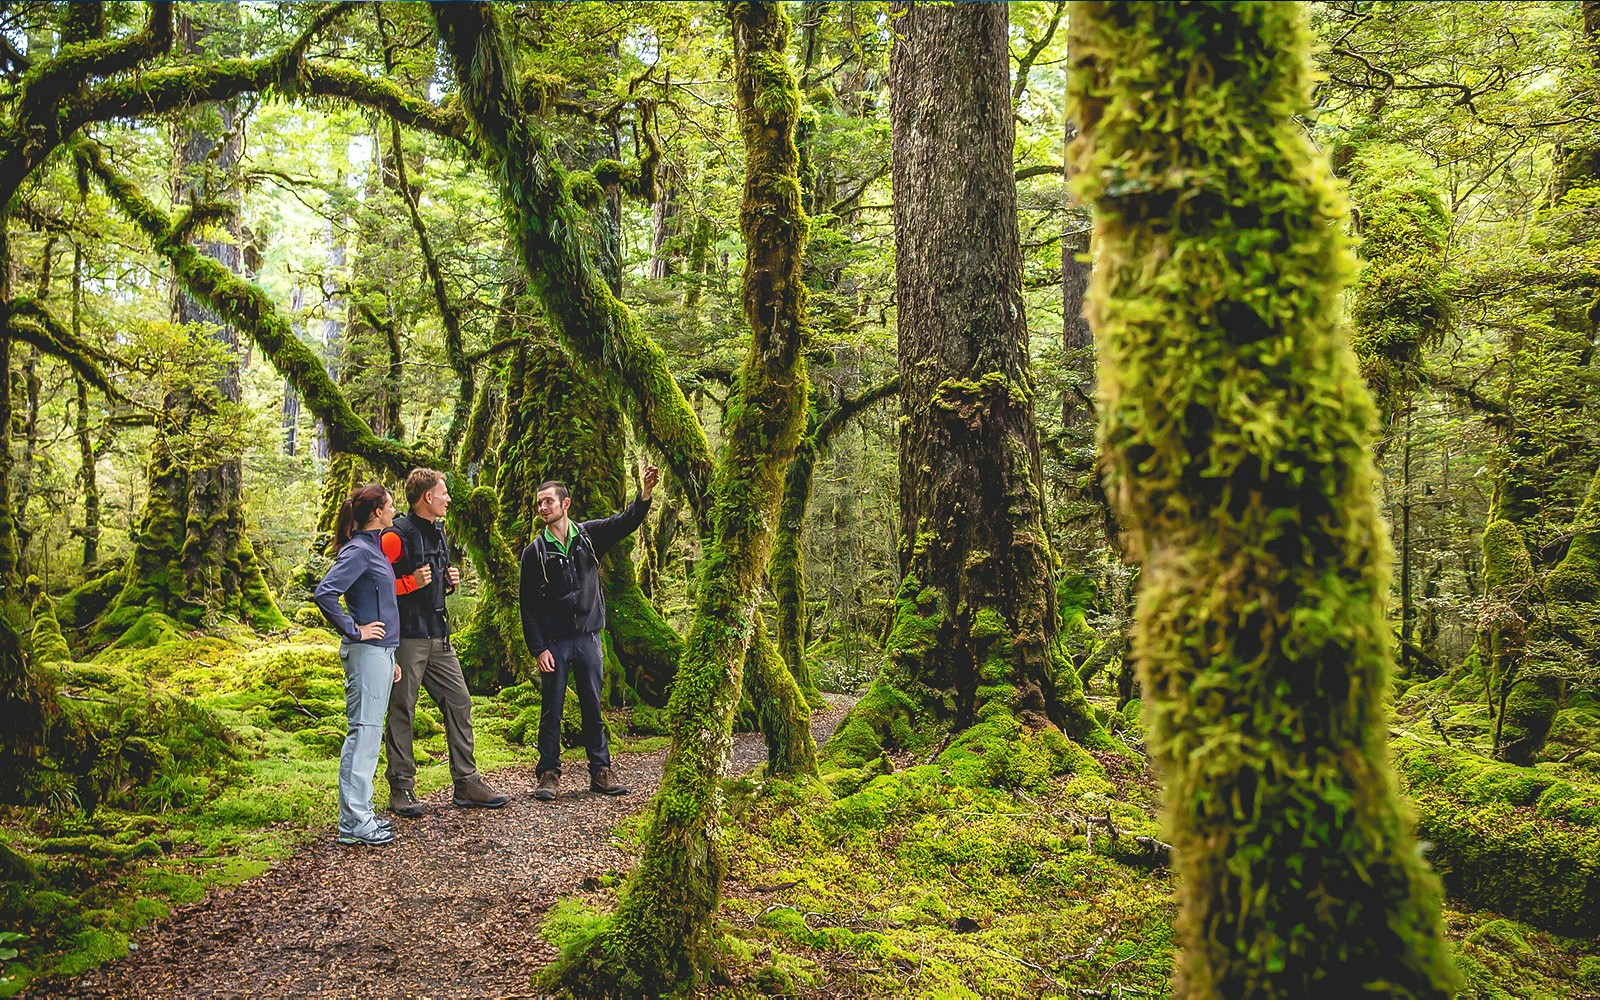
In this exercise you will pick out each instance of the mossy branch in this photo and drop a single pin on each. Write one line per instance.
(602, 331)
(47, 81)
(44, 331)
(838, 418)
(449, 315)
(252, 311)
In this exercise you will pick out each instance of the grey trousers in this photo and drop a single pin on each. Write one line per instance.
(429, 664)
(368, 676)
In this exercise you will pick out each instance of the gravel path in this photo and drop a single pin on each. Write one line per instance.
(451, 909)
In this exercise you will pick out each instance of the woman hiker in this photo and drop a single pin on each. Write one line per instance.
(363, 575)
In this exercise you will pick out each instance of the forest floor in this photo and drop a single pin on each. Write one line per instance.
(451, 909)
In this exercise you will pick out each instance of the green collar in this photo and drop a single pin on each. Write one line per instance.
(572, 532)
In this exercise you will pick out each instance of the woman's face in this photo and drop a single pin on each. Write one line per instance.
(383, 517)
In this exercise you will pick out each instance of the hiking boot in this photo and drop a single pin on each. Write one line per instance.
(403, 802)
(377, 838)
(473, 792)
(603, 781)
(549, 785)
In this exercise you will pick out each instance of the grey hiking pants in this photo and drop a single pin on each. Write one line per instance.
(368, 676)
(431, 665)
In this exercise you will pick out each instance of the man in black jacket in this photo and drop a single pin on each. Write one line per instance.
(423, 576)
(563, 613)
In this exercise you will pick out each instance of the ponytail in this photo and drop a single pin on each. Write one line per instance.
(357, 509)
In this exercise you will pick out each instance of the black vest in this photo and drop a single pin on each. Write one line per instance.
(422, 612)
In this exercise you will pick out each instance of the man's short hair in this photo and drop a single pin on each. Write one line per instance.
(420, 481)
(553, 484)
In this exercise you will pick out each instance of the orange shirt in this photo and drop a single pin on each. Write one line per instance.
(391, 548)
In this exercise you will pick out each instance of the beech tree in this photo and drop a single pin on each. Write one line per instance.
(659, 935)
(975, 624)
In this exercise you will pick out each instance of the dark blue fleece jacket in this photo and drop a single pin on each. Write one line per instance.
(362, 573)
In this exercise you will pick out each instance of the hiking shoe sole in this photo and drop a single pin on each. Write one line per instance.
(613, 790)
(544, 795)
(409, 812)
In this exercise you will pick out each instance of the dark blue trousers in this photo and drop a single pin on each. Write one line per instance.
(582, 659)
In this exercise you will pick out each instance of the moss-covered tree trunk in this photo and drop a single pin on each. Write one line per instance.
(975, 619)
(787, 573)
(660, 934)
(192, 556)
(23, 699)
(1522, 697)
(1238, 435)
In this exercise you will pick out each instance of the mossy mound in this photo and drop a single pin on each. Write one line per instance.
(935, 881)
(1514, 840)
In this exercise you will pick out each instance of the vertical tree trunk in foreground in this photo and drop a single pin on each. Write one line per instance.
(1238, 435)
(975, 618)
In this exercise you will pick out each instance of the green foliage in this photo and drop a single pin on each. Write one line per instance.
(1404, 288)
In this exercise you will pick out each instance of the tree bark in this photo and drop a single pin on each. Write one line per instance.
(1261, 638)
(660, 934)
(975, 617)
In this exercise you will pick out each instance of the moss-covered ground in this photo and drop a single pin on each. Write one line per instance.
(194, 762)
(979, 866)
(985, 866)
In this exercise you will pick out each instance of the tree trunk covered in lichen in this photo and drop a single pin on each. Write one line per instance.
(192, 556)
(975, 618)
(660, 933)
(561, 423)
(1261, 638)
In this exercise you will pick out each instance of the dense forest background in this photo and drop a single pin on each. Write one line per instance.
(177, 444)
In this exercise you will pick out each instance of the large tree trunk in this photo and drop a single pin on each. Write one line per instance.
(562, 424)
(975, 620)
(192, 556)
(1261, 637)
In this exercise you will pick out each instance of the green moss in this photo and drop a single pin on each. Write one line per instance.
(83, 604)
(1403, 297)
(1491, 855)
(1237, 434)
(47, 644)
(883, 719)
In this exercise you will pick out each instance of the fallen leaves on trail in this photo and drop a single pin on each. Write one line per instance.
(451, 909)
